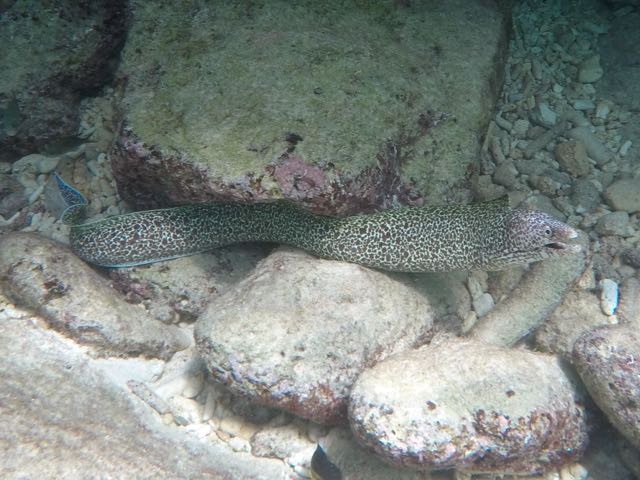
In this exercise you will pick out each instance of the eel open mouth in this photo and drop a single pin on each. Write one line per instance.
(560, 248)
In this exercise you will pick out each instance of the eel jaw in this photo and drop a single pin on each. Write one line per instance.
(556, 246)
(560, 248)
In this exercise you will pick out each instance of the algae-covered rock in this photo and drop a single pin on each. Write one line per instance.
(328, 103)
(53, 53)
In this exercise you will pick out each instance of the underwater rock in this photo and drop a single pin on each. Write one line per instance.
(578, 313)
(297, 332)
(585, 196)
(57, 397)
(54, 53)
(595, 148)
(355, 462)
(606, 359)
(12, 196)
(614, 223)
(590, 70)
(342, 107)
(572, 157)
(469, 406)
(629, 302)
(179, 290)
(624, 195)
(35, 163)
(279, 442)
(541, 289)
(43, 275)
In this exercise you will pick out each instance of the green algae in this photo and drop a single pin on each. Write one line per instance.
(224, 84)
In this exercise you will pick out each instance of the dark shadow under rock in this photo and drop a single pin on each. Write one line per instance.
(53, 54)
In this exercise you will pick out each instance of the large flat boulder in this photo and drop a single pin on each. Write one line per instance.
(63, 417)
(344, 107)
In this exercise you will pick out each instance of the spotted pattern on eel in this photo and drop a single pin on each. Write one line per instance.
(488, 235)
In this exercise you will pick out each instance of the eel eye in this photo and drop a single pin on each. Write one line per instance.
(547, 231)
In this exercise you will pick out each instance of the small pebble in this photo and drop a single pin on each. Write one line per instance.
(590, 70)
(502, 123)
(35, 194)
(583, 104)
(200, 430)
(603, 109)
(624, 148)
(546, 115)
(238, 444)
(608, 296)
(483, 304)
(185, 410)
(520, 128)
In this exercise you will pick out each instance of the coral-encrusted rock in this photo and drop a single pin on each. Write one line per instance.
(53, 54)
(298, 331)
(470, 406)
(45, 276)
(289, 100)
(607, 361)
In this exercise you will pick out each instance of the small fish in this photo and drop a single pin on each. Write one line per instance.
(322, 468)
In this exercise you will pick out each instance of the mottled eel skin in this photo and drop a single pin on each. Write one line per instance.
(488, 236)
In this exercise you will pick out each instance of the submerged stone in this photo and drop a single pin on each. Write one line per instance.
(297, 332)
(48, 278)
(469, 406)
(606, 359)
(342, 106)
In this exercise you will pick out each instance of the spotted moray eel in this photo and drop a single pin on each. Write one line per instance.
(486, 236)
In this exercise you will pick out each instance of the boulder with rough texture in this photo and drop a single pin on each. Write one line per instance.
(341, 106)
(297, 332)
(63, 417)
(469, 406)
(48, 278)
(606, 359)
(624, 195)
(578, 313)
(53, 54)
